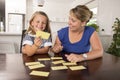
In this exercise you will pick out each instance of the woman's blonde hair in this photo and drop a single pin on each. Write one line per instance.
(47, 28)
(82, 13)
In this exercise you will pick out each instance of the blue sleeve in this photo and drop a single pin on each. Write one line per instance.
(61, 33)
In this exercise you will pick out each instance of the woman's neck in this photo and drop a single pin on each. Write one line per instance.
(78, 31)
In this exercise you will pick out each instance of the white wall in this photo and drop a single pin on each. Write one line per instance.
(108, 10)
(54, 10)
(57, 13)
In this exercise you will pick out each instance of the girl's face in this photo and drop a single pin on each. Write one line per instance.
(74, 23)
(39, 22)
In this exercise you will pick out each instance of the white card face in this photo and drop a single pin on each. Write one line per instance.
(32, 63)
(39, 73)
(69, 63)
(58, 62)
(59, 67)
(53, 58)
(43, 35)
(77, 68)
(43, 59)
(36, 66)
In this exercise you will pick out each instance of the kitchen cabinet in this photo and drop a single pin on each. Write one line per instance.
(16, 6)
(15, 11)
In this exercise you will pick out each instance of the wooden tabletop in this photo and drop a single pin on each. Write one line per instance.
(12, 67)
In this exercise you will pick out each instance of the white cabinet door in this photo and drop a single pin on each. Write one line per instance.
(16, 6)
(15, 23)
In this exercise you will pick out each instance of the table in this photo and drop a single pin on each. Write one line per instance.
(12, 67)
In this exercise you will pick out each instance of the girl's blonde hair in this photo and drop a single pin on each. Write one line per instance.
(82, 13)
(31, 30)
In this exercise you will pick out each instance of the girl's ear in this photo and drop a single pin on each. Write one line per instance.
(32, 23)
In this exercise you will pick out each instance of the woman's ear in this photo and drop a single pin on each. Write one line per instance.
(83, 23)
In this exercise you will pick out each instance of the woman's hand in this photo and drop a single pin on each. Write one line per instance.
(37, 41)
(74, 57)
(57, 48)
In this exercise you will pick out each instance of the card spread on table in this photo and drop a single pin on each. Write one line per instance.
(59, 67)
(77, 67)
(69, 63)
(43, 35)
(36, 66)
(56, 58)
(43, 59)
(32, 63)
(58, 62)
(39, 73)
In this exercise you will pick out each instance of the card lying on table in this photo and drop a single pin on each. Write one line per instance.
(43, 59)
(77, 68)
(32, 63)
(43, 35)
(36, 66)
(58, 62)
(59, 67)
(69, 63)
(56, 58)
(39, 73)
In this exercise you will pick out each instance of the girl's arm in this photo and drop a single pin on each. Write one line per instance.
(29, 49)
(42, 50)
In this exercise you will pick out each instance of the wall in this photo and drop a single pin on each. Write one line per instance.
(57, 12)
(108, 10)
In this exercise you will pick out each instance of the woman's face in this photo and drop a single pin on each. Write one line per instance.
(39, 22)
(74, 23)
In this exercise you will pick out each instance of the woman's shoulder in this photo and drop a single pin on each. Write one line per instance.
(88, 28)
(64, 28)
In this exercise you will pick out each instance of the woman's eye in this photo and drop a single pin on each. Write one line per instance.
(73, 20)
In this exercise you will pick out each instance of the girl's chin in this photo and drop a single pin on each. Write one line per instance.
(39, 30)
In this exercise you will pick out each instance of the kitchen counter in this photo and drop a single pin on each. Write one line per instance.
(10, 34)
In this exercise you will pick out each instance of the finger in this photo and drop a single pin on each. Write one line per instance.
(66, 55)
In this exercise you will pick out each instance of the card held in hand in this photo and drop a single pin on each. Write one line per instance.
(42, 34)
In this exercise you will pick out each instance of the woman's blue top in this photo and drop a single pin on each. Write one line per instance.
(79, 47)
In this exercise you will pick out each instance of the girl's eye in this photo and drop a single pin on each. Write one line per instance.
(38, 21)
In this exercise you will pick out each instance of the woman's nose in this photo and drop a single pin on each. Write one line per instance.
(69, 22)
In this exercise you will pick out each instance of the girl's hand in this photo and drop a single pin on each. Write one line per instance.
(74, 57)
(37, 41)
(57, 48)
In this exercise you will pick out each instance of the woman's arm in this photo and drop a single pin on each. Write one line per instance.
(57, 46)
(96, 51)
(96, 45)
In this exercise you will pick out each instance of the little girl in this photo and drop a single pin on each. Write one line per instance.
(35, 45)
